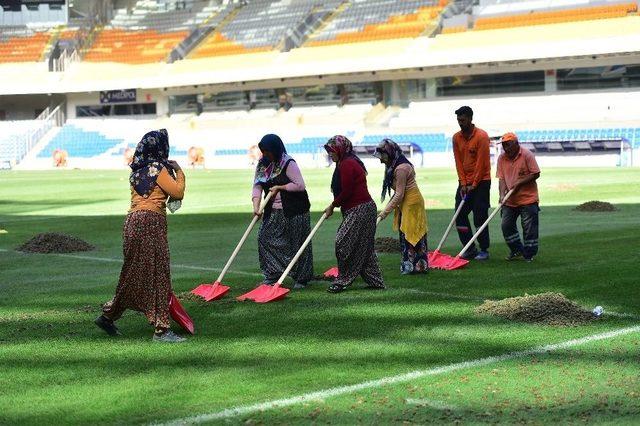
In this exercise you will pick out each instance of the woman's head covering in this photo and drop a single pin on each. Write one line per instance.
(151, 156)
(343, 148)
(396, 157)
(267, 170)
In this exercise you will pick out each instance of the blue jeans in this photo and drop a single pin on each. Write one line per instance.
(529, 222)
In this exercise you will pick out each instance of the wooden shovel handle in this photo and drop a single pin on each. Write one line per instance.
(263, 204)
(486, 223)
(301, 249)
(453, 219)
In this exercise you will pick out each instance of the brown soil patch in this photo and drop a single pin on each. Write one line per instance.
(52, 242)
(545, 308)
(596, 206)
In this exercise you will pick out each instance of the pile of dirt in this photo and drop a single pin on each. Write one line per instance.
(52, 242)
(596, 206)
(387, 245)
(545, 308)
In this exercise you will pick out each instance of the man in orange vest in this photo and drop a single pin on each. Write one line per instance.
(518, 168)
(471, 152)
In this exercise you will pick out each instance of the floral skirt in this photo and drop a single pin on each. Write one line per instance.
(355, 247)
(145, 278)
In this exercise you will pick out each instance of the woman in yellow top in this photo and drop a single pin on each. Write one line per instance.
(145, 279)
(410, 217)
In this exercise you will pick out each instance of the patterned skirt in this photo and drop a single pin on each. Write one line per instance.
(414, 257)
(279, 239)
(145, 279)
(355, 247)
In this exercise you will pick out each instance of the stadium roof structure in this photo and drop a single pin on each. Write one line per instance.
(575, 44)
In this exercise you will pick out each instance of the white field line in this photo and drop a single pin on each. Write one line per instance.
(328, 393)
(438, 405)
(173, 265)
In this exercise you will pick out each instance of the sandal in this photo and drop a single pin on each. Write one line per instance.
(336, 288)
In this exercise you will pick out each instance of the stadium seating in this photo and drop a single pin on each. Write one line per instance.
(556, 16)
(148, 33)
(378, 20)
(257, 27)
(22, 45)
(79, 143)
(133, 47)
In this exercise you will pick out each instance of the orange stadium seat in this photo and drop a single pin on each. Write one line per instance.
(133, 47)
(557, 16)
(23, 48)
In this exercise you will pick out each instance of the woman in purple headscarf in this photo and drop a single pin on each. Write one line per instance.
(286, 222)
(145, 278)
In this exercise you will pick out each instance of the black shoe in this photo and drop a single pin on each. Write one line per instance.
(469, 254)
(514, 256)
(336, 288)
(528, 259)
(107, 325)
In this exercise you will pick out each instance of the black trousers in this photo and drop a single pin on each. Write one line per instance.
(529, 220)
(478, 202)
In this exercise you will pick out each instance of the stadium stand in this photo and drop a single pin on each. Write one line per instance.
(378, 20)
(257, 27)
(147, 34)
(507, 14)
(20, 44)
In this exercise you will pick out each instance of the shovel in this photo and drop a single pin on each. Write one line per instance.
(179, 315)
(216, 290)
(334, 271)
(436, 258)
(458, 262)
(266, 293)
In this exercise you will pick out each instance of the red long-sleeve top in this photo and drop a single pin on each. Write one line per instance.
(353, 180)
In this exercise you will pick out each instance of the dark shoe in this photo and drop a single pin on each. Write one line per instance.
(168, 337)
(482, 255)
(514, 256)
(469, 254)
(336, 288)
(107, 325)
(299, 286)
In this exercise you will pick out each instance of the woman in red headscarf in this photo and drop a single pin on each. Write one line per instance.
(355, 239)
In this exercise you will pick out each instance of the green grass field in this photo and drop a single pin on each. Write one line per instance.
(56, 367)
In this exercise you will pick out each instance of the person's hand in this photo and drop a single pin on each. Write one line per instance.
(174, 165)
(274, 189)
(329, 210)
(383, 215)
(469, 189)
(256, 207)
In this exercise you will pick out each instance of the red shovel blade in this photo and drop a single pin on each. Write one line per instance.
(439, 260)
(332, 272)
(277, 292)
(211, 292)
(179, 315)
(258, 292)
(455, 263)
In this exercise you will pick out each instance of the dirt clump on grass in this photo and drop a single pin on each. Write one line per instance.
(545, 308)
(596, 206)
(52, 242)
(387, 245)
